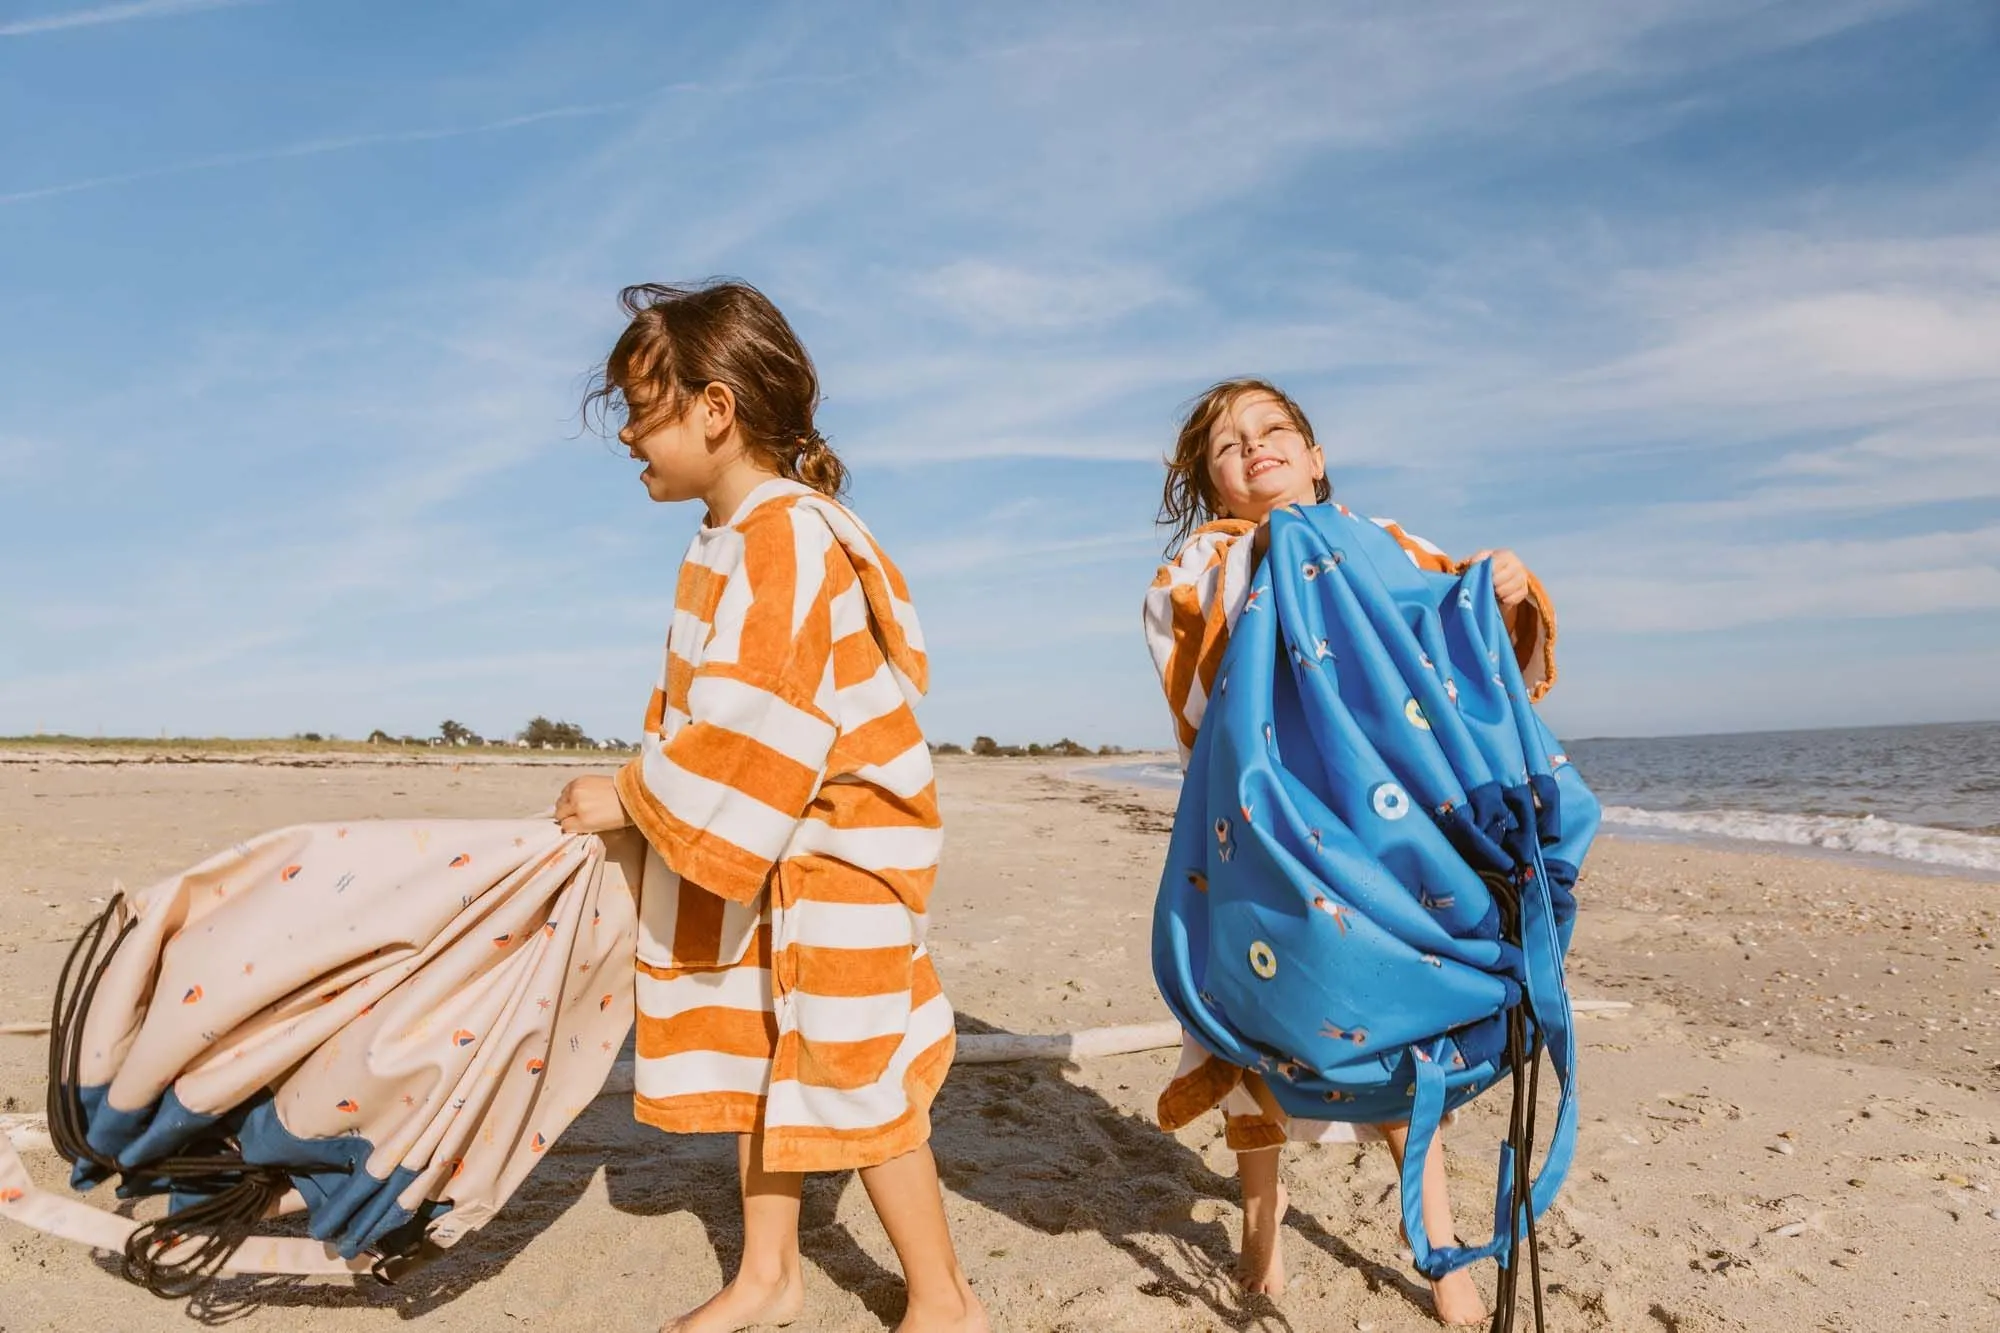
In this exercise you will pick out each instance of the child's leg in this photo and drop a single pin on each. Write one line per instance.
(909, 1201)
(1261, 1264)
(767, 1288)
(1455, 1296)
(1260, 1267)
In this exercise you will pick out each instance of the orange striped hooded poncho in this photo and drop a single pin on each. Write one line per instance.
(786, 792)
(1190, 609)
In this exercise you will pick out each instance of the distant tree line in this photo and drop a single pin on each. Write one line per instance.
(541, 733)
(986, 747)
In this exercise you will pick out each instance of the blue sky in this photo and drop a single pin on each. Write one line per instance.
(1695, 304)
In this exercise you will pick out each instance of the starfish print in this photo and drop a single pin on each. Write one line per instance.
(604, 1045)
(408, 1100)
(541, 1002)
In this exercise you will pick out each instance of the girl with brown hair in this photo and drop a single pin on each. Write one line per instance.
(1246, 450)
(785, 793)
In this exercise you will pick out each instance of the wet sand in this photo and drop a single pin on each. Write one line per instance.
(1795, 1127)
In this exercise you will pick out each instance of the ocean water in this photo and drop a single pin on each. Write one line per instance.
(1928, 795)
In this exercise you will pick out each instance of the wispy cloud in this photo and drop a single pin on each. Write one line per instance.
(122, 13)
(317, 147)
(1717, 585)
(1480, 241)
(1000, 297)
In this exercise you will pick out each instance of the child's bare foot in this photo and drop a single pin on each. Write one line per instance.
(745, 1303)
(1261, 1267)
(1457, 1300)
(965, 1315)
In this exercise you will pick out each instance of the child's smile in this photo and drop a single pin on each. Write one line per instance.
(1259, 460)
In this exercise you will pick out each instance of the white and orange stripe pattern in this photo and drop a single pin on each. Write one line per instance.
(786, 791)
(1196, 597)
(1190, 609)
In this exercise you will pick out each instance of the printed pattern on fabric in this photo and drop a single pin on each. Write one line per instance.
(1193, 603)
(786, 792)
(405, 1013)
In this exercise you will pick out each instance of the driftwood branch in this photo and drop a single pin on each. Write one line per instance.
(28, 1132)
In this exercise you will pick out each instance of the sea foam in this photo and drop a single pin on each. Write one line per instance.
(1864, 835)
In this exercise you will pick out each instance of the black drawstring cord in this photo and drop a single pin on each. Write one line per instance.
(238, 1195)
(1524, 1064)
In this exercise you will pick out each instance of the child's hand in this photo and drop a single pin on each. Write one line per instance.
(1510, 577)
(591, 805)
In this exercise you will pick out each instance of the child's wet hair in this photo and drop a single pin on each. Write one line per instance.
(682, 338)
(1189, 499)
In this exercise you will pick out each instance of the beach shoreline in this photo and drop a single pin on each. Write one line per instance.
(1794, 1126)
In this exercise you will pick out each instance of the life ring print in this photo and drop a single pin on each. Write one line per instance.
(1262, 961)
(1414, 711)
(1390, 801)
(1309, 571)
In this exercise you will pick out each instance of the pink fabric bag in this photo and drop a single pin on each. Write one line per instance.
(383, 1024)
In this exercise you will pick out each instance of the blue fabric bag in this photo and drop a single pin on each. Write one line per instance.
(1369, 892)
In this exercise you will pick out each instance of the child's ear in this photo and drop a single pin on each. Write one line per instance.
(720, 400)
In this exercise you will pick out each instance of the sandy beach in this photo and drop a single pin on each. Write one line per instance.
(1795, 1127)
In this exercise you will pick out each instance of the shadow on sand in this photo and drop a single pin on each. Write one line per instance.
(1021, 1140)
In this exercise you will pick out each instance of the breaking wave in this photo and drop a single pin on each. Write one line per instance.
(1864, 834)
